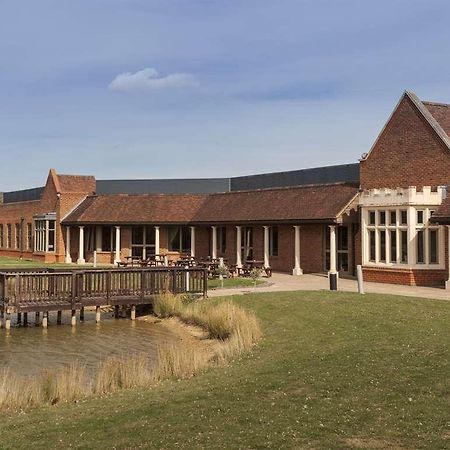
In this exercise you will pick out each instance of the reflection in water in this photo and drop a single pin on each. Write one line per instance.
(30, 350)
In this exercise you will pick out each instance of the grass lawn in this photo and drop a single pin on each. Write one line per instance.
(234, 282)
(334, 370)
(6, 262)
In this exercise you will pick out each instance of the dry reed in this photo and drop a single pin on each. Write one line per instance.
(236, 329)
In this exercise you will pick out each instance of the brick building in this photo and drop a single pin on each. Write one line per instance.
(387, 213)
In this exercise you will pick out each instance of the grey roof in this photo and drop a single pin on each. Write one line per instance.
(176, 186)
(345, 173)
(25, 195)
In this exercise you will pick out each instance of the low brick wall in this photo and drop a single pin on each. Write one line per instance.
(411, 277)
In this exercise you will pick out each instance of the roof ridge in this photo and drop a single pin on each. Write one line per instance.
(427, 102)
(429, 118)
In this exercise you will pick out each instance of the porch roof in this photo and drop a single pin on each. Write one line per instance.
(314, 203)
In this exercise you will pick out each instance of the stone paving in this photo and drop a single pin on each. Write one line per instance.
(316, 282)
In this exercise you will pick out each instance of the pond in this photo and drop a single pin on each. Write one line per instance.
(32, 349)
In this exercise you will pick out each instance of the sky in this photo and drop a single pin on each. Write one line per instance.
(207, 88)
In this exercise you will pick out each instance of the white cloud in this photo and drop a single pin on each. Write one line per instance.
(149, 80)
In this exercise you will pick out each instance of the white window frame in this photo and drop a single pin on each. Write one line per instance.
(412, 227)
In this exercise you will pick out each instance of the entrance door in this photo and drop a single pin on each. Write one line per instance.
(342, 249)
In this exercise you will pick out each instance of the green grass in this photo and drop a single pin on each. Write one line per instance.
(233, 283)
(7, 262)
(333, 370)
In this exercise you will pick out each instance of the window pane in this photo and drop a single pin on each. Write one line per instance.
(185, 239)
(342, 238)
(382, 218)
(403, 217)
(150, 235)
(404, 246)
(106, 239)
(137, 251)
(393, 217)
(273, 242)
(393, 237)
(371, 217)
(222, 240)
(382, 246)
(137, 236)
(174, 239)
(420, 247)
(434, 247)
(372, 245)
(420, 217)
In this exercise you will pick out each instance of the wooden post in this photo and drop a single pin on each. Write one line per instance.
(37, 318)
(45, 319)
(82, 314)
(2, 317)
(97, 314)
(133, 312)
(73, 321)
(25, 319)
(19, 318)
(59, 318)
(116, 311)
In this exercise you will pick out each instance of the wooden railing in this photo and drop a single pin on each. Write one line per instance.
(25, 291)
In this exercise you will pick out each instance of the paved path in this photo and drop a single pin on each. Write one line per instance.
(284, 282)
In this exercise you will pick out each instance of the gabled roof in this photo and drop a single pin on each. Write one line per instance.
(319, 203)
(432, 114)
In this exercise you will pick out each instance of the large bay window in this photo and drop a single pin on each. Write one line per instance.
(401, 236)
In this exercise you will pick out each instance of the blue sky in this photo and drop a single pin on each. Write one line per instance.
(198, 88)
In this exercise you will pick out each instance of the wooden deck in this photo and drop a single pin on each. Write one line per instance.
(45, 291)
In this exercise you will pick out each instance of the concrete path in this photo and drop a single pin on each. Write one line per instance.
(316, 282)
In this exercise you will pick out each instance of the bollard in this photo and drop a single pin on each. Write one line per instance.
(359, 274)
(97, 314)
(45, 319)
(73, 320)
(133, 312)
(333, 281)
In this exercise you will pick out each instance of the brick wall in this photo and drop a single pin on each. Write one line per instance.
(407, 153)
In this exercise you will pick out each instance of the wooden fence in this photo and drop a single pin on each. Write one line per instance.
(74, 290)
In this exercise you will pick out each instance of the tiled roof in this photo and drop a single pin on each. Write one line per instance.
(306, 203)
(441, 112)
(442, 214)
(76, 183)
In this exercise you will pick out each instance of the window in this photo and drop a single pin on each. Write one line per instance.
(180, 239)
(29, 236)
(142, 241)
(44, 235)
(108, 239)
(392, 234)
(17, 236)
(1, 236)
(8, 235)
(273, 241)
(247, 243)
(222, 239)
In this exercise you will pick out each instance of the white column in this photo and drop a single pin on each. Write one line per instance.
(193, 242)
(238, 246)
(333, 254)
(297, 269)
(266, 247)
(411, 235)
(447, 283)
(98, 239)
(80, 259)
(68, 258)
(156, 240)
(117, 252)
(214, 242)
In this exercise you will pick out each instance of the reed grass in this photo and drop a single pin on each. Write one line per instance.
(236, 329)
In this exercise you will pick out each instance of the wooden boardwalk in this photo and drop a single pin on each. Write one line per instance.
(22, 292)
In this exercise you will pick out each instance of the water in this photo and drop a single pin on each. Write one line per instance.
(30, 350)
